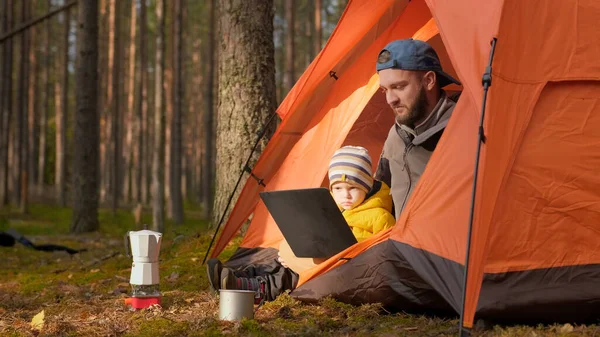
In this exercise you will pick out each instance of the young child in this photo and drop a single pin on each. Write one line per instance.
(365, 204)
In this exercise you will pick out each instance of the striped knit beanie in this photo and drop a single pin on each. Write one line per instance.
(351, 164)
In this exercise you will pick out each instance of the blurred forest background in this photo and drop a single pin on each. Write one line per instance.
(145, 104)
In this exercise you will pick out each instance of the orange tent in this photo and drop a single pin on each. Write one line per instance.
(534, 252)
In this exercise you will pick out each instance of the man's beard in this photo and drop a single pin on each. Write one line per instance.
(416, 112)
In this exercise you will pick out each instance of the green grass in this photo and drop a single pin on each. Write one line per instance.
(82, 295)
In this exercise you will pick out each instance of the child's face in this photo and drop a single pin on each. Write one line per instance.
(346, 195)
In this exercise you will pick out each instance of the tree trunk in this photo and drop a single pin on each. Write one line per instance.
(61, 118)
(6, 107)
(309, 27)
(246, 89)
(21, 113)
(168, 102)
(195, 101)
(149, 143)
(184, 176)
(107, 169)
(279, 34)
(318, 31)
(3, 19)
(127, 183)
(33, 118)
(104, 73)
(13, 157)
(209, 139)
(115, 105)
(341, 7)
(21, 186)
(148, 114)
(86, 131)
(176, 198)
(45, 104)
(141, 113)
(168, 85)
(289, 45)
(151, 36)
(158, 161)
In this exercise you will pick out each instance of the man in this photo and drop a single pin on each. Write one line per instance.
(411, 76)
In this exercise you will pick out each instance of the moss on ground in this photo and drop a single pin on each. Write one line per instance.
(82, 295)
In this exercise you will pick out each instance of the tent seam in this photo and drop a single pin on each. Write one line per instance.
(554, 79)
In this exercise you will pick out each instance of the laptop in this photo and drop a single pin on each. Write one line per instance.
(310, 221)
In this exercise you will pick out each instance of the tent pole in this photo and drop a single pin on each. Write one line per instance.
(486, 81)
(244, 169)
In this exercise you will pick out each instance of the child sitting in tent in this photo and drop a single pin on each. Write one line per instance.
(365, 204)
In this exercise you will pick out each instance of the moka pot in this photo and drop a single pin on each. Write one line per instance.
(144, 247)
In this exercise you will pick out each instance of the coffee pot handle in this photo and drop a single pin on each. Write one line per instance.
(127, 244)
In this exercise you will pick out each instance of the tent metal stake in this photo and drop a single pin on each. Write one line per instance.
(486, 81)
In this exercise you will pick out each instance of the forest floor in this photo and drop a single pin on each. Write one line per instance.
(82, 294)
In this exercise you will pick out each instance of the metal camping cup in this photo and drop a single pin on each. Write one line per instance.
(236, 304)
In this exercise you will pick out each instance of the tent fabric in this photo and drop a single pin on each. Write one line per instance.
(527, 197)
(535, 243)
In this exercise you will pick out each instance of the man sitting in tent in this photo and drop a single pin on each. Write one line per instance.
(365, 204)
(411, 76)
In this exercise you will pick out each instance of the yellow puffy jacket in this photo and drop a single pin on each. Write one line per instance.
(373, 215)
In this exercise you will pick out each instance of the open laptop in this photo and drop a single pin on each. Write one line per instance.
(310, 221)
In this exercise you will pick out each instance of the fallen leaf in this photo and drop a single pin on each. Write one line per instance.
(69, 289)
(94, 270)
(156, 308)
(189, 300)
(70, 276)
(122, 288)
(194, 259)
(566, 328)
(174, 276)
(37, 322)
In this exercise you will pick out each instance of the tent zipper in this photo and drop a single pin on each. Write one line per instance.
(407, 148)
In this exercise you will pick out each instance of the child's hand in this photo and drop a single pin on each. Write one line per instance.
(280, 260)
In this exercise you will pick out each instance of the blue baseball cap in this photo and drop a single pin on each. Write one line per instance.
(412, 54)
